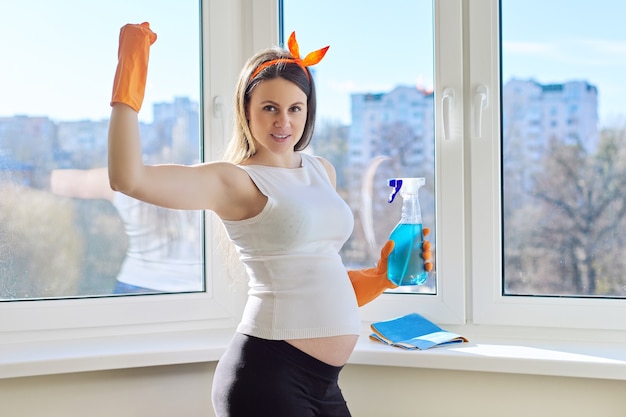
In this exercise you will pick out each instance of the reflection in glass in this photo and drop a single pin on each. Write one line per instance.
(63, 232)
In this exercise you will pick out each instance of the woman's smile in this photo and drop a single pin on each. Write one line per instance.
(280, 137)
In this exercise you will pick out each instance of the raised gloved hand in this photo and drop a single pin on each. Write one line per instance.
(129, 84)
(369, 283)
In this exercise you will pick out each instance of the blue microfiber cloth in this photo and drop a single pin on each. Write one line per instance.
(413, 332)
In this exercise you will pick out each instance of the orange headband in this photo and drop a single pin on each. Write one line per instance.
(311, 59)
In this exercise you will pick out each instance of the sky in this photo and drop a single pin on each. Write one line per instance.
(58, 58)
(559, 40)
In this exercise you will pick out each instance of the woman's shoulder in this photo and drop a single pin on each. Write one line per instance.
(314, 159)
(223, 167)
(322, 163)
(234, 195)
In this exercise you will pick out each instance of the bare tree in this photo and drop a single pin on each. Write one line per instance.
(582, 203)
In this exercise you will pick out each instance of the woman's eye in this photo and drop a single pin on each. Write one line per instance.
(269, 108)
(296, 109)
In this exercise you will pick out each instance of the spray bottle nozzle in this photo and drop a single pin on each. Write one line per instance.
(411, 186)
(396, 183)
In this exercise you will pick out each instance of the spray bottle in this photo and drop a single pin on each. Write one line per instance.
(406, 265)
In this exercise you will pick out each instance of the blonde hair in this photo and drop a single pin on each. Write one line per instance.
(241, 145)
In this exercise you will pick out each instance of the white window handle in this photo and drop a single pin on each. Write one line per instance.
(447, 105)
(481, 100)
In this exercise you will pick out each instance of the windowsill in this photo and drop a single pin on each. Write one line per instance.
(518, 351)
(542, 354)
(112, 352)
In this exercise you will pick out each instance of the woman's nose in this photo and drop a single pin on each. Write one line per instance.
(282, 119)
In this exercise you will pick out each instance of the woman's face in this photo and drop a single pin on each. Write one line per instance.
(277, 113)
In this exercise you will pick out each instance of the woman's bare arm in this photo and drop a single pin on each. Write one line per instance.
(218, 186)
(81, 183)
(221, 187)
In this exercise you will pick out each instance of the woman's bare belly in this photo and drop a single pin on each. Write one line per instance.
(334, 350)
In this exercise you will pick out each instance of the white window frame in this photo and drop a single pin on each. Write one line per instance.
(490, 307)
(448, 305)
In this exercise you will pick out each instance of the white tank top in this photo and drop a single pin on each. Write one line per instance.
(155, 260)
(299, 287)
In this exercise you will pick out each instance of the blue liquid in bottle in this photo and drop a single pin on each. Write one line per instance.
(405, 265)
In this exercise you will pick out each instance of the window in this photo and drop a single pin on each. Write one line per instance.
(552, 257)
(79, 238)
(562, 216)
(60, 255)
(470, 166)
(369, 86)
(485, 190)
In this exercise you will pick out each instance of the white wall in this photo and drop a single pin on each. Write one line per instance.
(371, 391)
(163, 391)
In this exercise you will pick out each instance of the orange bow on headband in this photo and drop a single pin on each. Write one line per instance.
(311, 59)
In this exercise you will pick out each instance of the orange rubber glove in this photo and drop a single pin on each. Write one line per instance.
(426, 253)
(369, 283)
(129, 84)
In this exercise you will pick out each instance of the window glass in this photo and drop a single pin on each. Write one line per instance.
(375, 117)
(563, 148)
(63, 232)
